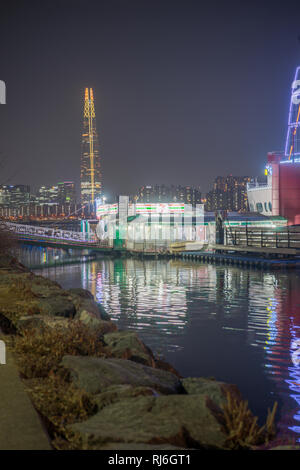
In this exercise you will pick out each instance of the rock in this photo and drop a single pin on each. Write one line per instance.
(22, 293)
(92, 321)
(84, 293)
(159, 364)
(121, 392)
(94, 375)
(29, 321)
(127, 345)
(44, 288)
(41, 321)
(187, 421)
(213, 389)
(11, 263)
(26, 294)
(87, 304)
(103, 313)
(57, 306)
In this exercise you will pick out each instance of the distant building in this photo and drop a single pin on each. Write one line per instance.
(163, 193)
(59, 200)
(14, 195)
(47, 195)
(62, 193)
(229, 193)
(90, 170)
(66, 192)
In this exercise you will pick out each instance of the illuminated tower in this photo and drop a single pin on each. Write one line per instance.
(292, 147)
(90, 171)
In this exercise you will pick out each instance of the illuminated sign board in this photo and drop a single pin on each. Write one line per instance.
(160, 208)
(106, 209)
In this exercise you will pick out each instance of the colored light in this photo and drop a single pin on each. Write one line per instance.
(292, 146)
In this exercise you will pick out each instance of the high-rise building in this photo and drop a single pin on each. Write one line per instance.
(229, 193)
(14, 195)
(163, 193)
(90, 171)
(66, 192)
(47, 195)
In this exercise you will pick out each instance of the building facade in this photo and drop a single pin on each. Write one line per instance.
(16, 201)
(228, 193)
(14, 195)
(66, 192)
(163, 193)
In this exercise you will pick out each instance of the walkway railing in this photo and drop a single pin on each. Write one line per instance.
(286, 237)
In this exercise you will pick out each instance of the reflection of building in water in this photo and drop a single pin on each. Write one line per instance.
(138, 293)
(277, 329)
(34, 256)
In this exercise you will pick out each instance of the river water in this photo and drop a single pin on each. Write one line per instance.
(235, 324)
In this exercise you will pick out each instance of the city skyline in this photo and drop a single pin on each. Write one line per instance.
(161, 98)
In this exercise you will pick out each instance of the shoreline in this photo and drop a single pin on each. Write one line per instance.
(126, 389)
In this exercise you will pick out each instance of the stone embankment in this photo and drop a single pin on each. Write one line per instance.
(135, 400)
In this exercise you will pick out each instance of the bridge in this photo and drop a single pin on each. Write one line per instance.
(57, 238)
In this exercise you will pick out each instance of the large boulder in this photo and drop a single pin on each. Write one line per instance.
(215, 390)
(10, 263)
(45, 288)
(41, 321)
(103, 313)
(94, 375)
(84, 301)
(188, 421)
(59, 306)
(121, 392)
(127, 345)
(79, 292)
(23, 293)
(91, 320)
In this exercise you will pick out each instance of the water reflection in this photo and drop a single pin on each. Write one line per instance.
(238, 325)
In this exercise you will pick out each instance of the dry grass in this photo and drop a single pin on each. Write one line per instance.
(60, 403)
(242, 427)
(40, 350)
(7, 239)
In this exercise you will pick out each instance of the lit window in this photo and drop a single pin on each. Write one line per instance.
(259, 207)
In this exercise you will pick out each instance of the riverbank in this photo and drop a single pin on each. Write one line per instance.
(99, 388)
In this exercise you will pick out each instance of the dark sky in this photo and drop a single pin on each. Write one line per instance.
(185, 90)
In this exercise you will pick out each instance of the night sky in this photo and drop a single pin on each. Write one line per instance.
(184, 90)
